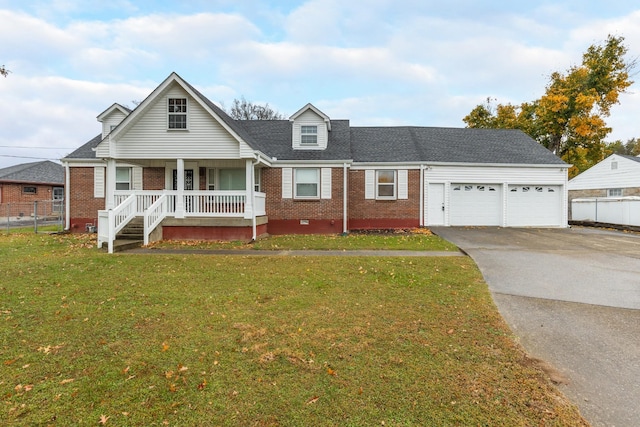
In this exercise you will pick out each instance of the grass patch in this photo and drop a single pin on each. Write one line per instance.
(143, 340)
(415, 240)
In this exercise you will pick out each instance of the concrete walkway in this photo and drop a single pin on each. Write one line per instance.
(254, 252)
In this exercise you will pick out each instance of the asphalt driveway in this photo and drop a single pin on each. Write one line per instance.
(572, 297)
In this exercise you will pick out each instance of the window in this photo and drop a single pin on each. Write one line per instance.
(309, 135)
(211, 179)
(257, 175)
(307, 183)
(177, 110)
(29, 190)
(614, 192)
(386, 184)
(123, 178)
(232, 179)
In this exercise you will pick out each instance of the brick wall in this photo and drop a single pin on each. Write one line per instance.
(323, 215)
(153, 178)
(370, 213)
(14, 201)
(83, 206)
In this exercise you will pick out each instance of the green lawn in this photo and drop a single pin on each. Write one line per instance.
(414, 240)
(89, 338)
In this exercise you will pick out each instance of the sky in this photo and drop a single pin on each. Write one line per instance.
(374, 62)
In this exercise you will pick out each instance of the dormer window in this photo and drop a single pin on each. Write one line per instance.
(177, 113)
(309, 135)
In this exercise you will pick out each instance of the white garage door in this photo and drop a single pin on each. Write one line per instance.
(475, 204)
(534, 206)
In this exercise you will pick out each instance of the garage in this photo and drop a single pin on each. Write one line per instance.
(534, 206)
(475, 204)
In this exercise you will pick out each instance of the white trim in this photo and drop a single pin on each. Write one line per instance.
(98, 182)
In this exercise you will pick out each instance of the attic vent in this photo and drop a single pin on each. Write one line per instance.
(614, 165)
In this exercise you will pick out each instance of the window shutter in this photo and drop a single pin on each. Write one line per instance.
(325, 181)
(98, 182)
(137, 178)
(403, 184)
(369, 184)
(287, 183)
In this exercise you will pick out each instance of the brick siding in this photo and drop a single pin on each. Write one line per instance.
(83, 206)
(371, 213)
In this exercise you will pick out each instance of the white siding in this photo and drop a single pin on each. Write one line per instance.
(627, 174)
(148, 137)
(495, 208)
(310, 118)
(114, 119)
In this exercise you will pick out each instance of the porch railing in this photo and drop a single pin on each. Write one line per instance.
(154, 216)
(154, 206)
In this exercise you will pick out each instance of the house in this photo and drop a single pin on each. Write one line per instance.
(178, 161)
(607, 192)
(22, 185)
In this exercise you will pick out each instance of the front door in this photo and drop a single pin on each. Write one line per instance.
(188, 179)
(435, 204)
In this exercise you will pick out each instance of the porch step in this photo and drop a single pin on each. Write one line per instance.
(131, 236)
(132, 231)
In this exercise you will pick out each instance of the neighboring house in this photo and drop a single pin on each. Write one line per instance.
(23, 184)
(616, 176)
(195, 173)
(613, 184)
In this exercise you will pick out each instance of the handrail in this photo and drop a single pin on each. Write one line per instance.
(119, 217)
(154, 216)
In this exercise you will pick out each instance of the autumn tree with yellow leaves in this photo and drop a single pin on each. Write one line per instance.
(569, 119)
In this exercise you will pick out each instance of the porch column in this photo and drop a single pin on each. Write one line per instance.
(110, 184)
(248, 202)
(180, 189)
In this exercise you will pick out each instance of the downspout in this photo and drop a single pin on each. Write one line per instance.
(254, 226)
(67, 197)
(421, 195)
(345, 192)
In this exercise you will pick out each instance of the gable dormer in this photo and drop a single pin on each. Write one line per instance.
(310, 128)
(111, 117)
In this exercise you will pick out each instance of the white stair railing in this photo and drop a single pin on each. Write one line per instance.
(154, 216)
(119, 217)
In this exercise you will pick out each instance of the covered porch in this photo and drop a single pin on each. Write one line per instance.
(191, 197)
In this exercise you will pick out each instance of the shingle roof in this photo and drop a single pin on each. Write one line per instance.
(447, 145)
(273, 137)
(86, 151)
(37, 172)
(634, 158)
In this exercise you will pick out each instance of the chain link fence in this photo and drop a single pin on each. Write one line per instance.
(43, 216)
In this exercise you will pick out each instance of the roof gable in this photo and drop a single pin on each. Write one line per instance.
(114, 108)
(310, 107)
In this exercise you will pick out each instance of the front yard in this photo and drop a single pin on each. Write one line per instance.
(89, 338)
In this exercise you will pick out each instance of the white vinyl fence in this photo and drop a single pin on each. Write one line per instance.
(614, 210)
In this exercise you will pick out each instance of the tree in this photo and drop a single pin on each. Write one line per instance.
(3, 71)
(629, 148)
(569, 119)
(245, 110)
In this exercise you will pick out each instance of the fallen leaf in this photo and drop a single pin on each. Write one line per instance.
(202, 385)
(165, 346)
(67, 381)
(173, 388)
(182, 368)
(314, 399)
(450, 331)
(331, 372)
(103, 419)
